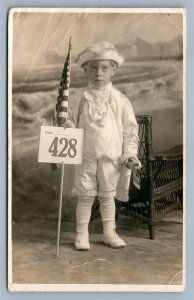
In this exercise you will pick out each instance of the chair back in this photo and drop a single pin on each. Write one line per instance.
(145, 153)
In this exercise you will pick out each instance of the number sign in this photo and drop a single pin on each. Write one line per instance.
(59, 145)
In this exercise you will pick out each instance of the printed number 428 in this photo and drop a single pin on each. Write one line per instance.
(69, 147)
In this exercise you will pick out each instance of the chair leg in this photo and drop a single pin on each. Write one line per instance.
(180, 199)
(117, 212)
(152, 231)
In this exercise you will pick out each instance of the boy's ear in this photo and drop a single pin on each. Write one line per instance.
(113, 70)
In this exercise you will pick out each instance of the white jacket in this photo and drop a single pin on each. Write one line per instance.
(127, 129)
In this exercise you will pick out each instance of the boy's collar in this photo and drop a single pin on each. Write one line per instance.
(104, 88)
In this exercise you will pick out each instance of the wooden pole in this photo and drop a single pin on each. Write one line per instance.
(63, 123)
(60, 207)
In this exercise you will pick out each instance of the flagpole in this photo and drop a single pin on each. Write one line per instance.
(60, 207)
(62, 122)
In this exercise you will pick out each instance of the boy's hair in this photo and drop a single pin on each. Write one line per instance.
(113, 64)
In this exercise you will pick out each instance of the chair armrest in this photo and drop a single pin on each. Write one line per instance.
(167, 157)
(171, 154)
(167, 167)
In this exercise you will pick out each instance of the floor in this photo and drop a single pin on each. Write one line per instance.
(141, 262)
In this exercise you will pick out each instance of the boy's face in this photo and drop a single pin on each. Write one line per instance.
(99, 72)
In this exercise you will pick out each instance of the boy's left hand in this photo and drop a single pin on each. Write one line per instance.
(131, 162)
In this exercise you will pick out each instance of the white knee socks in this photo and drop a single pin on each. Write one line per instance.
(83, 213)
(107, 208)
(83, 210)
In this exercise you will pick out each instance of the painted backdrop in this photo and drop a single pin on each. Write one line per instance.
(151, 77)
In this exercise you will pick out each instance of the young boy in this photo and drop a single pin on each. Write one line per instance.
(110, 140)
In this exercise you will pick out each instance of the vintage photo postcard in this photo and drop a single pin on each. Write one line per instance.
(96, 122)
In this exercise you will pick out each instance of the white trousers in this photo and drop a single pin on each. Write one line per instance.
(97, 178)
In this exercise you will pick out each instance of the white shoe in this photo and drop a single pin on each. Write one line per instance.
(82, 243)
(111, 238)
(82, 237)
(114, 241)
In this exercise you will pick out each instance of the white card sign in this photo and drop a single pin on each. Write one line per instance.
(59, 145)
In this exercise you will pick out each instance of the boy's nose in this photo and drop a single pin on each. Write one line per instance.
(99, 72)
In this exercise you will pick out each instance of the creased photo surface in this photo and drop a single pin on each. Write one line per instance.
(96, 149)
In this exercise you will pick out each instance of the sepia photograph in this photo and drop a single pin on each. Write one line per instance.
(96, 133)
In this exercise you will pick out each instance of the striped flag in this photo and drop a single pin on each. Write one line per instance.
(60, 112)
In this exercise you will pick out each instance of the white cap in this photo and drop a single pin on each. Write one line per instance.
(100, 51)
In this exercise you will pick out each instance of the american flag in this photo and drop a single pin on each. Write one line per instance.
(60, 112)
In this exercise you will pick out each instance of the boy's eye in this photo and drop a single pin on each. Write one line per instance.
(96, 68)
(93, 68)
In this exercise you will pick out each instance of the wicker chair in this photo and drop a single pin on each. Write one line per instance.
(161, 180)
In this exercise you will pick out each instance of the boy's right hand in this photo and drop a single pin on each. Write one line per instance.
(69, 124)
